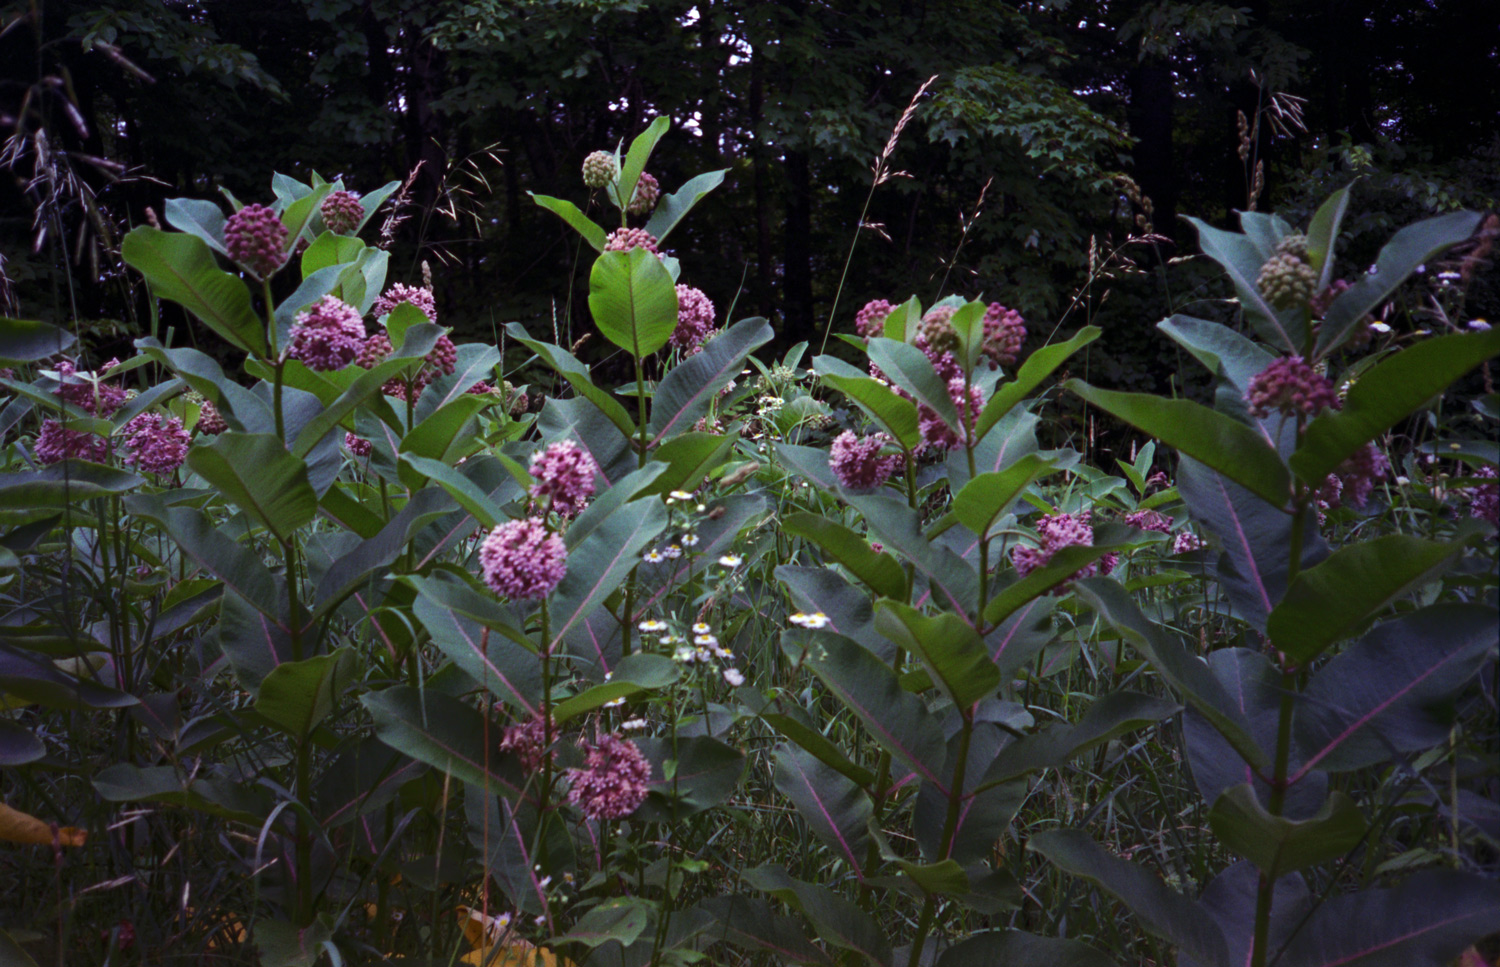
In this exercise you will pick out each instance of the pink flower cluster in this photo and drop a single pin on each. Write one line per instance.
(937, 339)
(564, 474)
(1186, 541)
(613, 783)
(938, 434)
(1150, 520)
(57, 443)
(1291, 386)
(1004, 333)
(647, 191)
(358, 445)
(256, 238)
(327, 336)
(1350, 485)
(342, 212)
(1321, 302)
(88, 393)
(625, 239)
(401, 292)
(522, 560)
(155, 444)
(442, 359)
(870, 321)
(1056, 531)
(695, 320)
(210, 420)
(526, 741)
(1484, 499)
(857, 462)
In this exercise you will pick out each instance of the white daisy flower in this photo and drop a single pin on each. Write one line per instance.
(673, 552)
(629, 725)
(731, 560)
(734, 677)
(653, 557)
(690, 540)
(701, 628)
(651, 624)
(705, 641)
(815, 620)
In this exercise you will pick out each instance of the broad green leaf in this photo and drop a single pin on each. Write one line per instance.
(439, 730)
(671, 209)
(468, 494)
(603, 507)
(200, 539)
(297, 695)
(580, 222)
(330, 249)
(895, 415)
(1219, 348)
(444, 435)
(64, 484)
(1038, 366)
(182, 268)
(1427, 921)
(949, 648)
(31, 679)
(1228, 446)
(836, 921)
(1334, 599)
(877, 569)
(358, 565)
(25, 341)
(748, 923)
(479, 635)
(798, 729)
(1410, 247)
(952, 581)
(1242, 258)
(634, 674)
(254, 472)
(1014, 948)
(1184, 672)
(1386, 695)
(577, 374)
(835, 809)
(688, 458)
(633, 301)
(1384, 395)
(1109, 717)
(1277, 845)
(241, 802)
(897, 720)
(241, 408)
(199, 217)
(908, 367)
(985, 498)
(706, 774)
(1323, 233)
(599, 562)
(685, 394)
(299, 215)
(621, 920)
(1164, 912)
(1062, 566)
(18, 745)
(12, 953)
(638, 157)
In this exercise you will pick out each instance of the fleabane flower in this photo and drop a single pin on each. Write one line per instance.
(522, 560)
(564, 474)
(328, 335)
(734, 677)
(857, 462)
(613, 782)
(812, 621)
(731, 560)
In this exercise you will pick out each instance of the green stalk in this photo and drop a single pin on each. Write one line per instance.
(950, 825)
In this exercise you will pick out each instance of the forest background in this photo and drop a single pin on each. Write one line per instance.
(1044, 167)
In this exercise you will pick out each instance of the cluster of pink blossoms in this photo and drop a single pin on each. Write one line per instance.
(857, 462)
(1291, 386)
(526, 741)
(695, 320)
(156, 444)
(358, 445)
(613, 782)
(870, 321)
(1150, 520)
(342, 212)
(625, 239)
(327, 336)
(647, 191)
(564, 474)
(442, 359)
(256, 238)
(1350, 485)
(210, 420)
(1484, 499)
(1056, 531)
(522, 560)
(1186, 541)
(56, 442)
(401, 292)
(936, 433)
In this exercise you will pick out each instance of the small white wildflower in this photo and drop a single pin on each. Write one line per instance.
(544, 882)
(653, 557)
(669, 639)
(1379, 327)
(705, 641)
(684, 654)
(731, 560)
(723, 653)
(1479, 324)
(673, 552)
(815, 620)
(701, 508)
(608, 676)
(651, 624)
(540, 920)
(701, 628)
(734, 677)
(680, 495)
(703, 655)
(629, 725)
(615, 702)
(690, 540)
